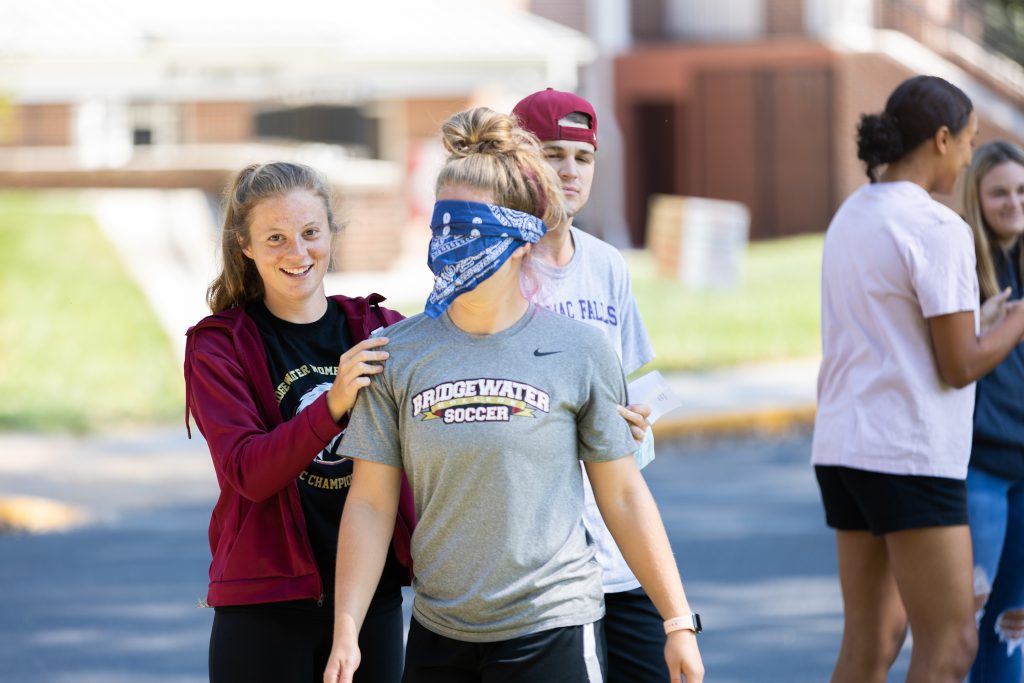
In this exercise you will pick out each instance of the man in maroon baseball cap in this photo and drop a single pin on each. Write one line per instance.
(566, 124)
(587, 279)
(543, 112)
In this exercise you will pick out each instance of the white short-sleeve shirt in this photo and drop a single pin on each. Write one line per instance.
(594, 288)
(893, 258)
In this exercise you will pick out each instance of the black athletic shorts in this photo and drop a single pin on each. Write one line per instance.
(859, 500)
(571, 654)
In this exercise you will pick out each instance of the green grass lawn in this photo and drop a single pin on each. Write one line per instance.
(79, 347)
(773, 314)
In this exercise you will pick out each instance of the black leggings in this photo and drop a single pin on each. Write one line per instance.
(285, 643)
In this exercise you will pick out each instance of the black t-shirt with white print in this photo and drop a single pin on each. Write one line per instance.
(303, 362)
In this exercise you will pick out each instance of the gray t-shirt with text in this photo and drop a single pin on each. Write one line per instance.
(490, 430)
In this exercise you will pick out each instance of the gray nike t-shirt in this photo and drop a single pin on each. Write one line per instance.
(490, 429)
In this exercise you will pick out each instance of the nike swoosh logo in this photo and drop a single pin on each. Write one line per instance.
(540, 353)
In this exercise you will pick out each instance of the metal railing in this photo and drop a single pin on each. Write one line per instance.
(997, 25)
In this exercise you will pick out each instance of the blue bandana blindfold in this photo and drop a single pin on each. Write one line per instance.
(470, 242)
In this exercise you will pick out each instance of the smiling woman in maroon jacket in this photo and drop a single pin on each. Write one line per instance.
(270, 378)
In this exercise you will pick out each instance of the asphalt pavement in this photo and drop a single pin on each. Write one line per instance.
(113, 599)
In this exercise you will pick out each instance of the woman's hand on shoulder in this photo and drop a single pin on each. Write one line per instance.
(355, 368)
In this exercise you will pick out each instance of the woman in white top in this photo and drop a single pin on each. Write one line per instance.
(900, 353)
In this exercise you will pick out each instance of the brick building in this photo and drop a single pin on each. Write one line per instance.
(114, 94)
(757, 100)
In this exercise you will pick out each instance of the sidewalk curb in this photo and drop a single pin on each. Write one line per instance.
(767, 420)
(19, 514)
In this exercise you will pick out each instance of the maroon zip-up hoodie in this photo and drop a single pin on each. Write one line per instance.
(261, 550)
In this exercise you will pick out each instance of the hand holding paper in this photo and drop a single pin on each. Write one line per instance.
(652, 390)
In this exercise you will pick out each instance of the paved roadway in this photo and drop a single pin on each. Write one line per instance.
(114, 601)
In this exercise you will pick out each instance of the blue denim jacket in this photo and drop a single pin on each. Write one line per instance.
(999, 403)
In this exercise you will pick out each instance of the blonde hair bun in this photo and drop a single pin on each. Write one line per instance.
(490, 151)
(483, 131)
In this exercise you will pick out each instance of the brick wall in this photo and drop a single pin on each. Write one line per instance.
(784, 17)
(208, 122)
(375, 224)
(424, 116)
(864, 82)
(746, 122)
(648, 20)
(34, 125)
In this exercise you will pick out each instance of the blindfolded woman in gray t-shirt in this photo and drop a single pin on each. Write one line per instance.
(488, 403)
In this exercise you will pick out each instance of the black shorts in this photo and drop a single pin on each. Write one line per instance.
(571, 654)
(859, 500)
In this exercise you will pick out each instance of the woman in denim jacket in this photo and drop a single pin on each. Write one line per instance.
(993, 205)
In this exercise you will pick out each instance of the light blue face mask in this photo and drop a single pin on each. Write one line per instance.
(470, 242)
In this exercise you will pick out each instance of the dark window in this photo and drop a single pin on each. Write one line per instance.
(338, 125)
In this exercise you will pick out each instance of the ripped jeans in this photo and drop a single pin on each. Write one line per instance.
(996, 508)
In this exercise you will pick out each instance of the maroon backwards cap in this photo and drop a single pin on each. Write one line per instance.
(540, 113)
